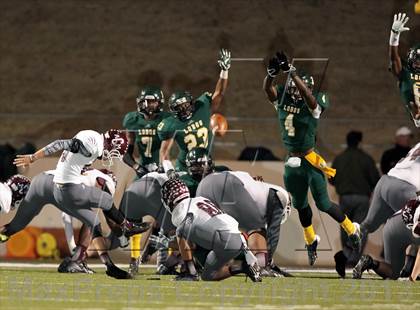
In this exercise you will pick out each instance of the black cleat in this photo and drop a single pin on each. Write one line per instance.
(281, 271)
(311, 248)
(87, 268)
(133, 267)
(356, 238)
(75, 267)
(340, 263)
(131, 228)
(117, 273)
(268, 272)
(253, 272)
(186, 276)
(63, 267)
(365, 263)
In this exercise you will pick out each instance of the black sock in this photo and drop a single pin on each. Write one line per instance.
(375, 264)
(114, 214)
(305, 216)
(336, 213)
(104, 257)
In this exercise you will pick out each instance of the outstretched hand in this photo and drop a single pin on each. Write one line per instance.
(398, 25)
(23, 160)
(224, 59)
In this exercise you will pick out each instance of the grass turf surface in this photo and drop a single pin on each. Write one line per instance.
(46, 289)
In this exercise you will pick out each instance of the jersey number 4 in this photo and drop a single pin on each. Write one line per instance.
(191, 139)
(288, 125)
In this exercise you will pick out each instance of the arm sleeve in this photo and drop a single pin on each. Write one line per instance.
(323, 101)
(204, 100)
(73, 145)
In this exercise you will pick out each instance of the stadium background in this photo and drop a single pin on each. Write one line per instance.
(73, 65)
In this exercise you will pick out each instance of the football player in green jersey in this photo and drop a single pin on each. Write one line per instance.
(199, 164)
(407, 72)
(299, 109)
(189, 124)
(141, 126)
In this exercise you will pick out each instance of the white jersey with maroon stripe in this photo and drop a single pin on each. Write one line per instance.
(70, 164)
(408, 168)
(5, 198)
(203, 210)
(258, 190)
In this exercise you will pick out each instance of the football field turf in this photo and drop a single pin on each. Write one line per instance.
(39, 288)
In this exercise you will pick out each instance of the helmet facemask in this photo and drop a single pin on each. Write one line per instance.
(149, 106)
(115, 146)
(292, 89)
(200, 168)
(413, 59)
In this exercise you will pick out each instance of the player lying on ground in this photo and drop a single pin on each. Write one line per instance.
(200, 223)
(12, 192)
(65, 190)
(299, 109)
(105, 180)
(408, 71)
(189, 124)
(400, 231)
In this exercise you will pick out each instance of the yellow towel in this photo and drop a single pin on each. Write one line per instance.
(318, 162)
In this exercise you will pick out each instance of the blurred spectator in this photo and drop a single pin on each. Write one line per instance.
(354, 182)
(7, 169)
(257, 153)
(403, 139)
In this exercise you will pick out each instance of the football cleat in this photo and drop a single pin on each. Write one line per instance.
(133, 267)
(311, 248)
(131, 229)
(253, 272)
(268, 272)
(340, 263)
(365, 263)
(63, 267)
(87, 268)
(117, 273)
(162, 269)
(281, 271)
(76, 267)
(355, 238)
(186, 276)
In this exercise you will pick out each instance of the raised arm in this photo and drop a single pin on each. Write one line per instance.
(71, 145)
(398, 26)
(222, 82)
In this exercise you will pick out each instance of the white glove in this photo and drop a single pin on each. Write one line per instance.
(224, 59)
(398, 26)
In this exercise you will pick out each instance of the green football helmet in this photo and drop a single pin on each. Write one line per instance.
(181, 105)
(199, 163)
(145, 100)
(292, 89)
(413, 59)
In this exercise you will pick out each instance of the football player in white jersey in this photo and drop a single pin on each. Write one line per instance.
(393, 190)
(259, 207)
(400, 231)
(12, 192)
(106, 181)
(74, 198)
(201, 224)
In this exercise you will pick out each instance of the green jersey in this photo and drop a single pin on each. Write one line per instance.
(409, 88)
(297, 123)
(191, 133)
(147, 139)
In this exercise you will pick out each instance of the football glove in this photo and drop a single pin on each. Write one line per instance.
(160, 242)
(284, 62)
(224, 59)
(273, 67)
(398, 25)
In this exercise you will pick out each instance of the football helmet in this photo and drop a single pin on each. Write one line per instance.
(292, 89)
(181, 105)
(19, 184)
(145, 100)
(173, 192)
(413, 59)
(199, 163)
(115, 145)
(408, 212)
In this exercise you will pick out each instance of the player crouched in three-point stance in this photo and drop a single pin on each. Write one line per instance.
(407, 72)
(12, 192)
(400, 231)
(201, 224)
(66, 191)
(299, 110)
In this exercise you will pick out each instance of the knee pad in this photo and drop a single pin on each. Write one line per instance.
(96, 231)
